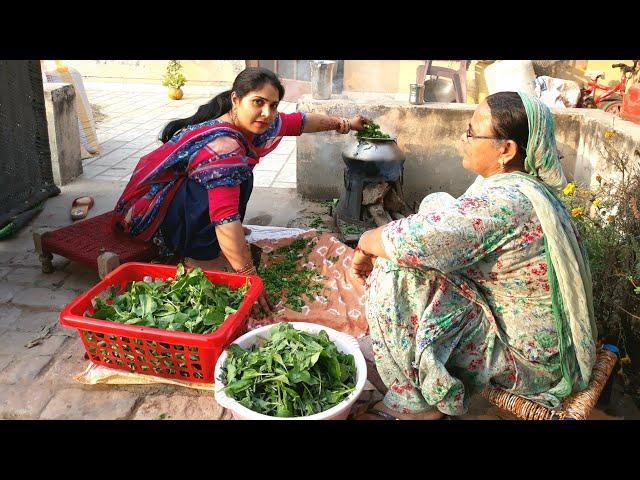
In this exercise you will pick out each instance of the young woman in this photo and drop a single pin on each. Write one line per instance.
(189, 196)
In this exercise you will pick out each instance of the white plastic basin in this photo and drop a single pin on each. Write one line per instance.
(344, 343)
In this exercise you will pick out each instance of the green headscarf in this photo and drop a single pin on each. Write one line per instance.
(542, 158)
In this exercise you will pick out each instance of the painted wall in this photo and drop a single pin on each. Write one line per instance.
(385, 76)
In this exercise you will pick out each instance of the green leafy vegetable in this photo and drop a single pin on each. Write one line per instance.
(371, 130)
(285, 278)
(293, 374)
(187, 303)
(316, 222)
(350, 229)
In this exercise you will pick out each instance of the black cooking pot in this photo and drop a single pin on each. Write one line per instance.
(374, 157)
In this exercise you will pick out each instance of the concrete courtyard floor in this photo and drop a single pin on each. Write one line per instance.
(38, 357)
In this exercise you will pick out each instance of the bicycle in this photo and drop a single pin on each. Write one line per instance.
(611, 100)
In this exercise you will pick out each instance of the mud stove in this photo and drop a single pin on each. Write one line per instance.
(372, 194)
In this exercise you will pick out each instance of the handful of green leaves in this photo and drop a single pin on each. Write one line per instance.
(293, 374)
(187, 303)
(371, 130)
(284, 278)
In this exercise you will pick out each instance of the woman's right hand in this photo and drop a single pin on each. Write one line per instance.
(358, 122)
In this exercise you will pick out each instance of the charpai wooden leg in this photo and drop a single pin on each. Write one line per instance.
(45, 256)
(107, 261)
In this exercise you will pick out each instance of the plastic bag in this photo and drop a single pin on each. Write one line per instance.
(557, 92)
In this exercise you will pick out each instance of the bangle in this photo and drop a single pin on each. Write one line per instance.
(344, 126)
(247, 269)
(358, 249)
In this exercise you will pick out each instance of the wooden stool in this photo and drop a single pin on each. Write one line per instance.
(577, 406)
(93, 243)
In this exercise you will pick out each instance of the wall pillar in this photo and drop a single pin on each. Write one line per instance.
(64, 135)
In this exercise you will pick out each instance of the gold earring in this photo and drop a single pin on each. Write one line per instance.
(234, 114)
(502, 164)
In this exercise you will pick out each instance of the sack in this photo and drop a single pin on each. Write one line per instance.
(510, 76)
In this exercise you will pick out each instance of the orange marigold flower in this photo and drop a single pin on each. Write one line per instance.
(576, 212)
(610, 133)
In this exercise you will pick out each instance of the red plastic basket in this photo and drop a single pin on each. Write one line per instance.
(154, 351)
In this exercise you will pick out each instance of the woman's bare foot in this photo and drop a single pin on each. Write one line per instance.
(380, 406)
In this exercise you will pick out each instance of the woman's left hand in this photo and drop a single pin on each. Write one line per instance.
(358, 122)
(361, 266)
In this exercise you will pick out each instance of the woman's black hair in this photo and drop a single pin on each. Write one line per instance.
(252, 78)
(509, 120)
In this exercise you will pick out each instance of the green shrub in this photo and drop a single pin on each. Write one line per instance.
(608, 220)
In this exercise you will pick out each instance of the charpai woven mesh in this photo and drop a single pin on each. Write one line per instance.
(85, 240)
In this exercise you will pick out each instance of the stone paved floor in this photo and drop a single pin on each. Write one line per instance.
(134, 118)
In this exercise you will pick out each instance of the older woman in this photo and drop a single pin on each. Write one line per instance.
(491, 288)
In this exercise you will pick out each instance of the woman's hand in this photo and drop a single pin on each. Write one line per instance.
(262, 307)
(361, 266)
(358, 122)
(317, 122)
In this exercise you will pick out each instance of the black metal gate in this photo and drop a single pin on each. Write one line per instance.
(26, 178)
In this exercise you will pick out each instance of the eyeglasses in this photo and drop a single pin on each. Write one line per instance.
(469, 135)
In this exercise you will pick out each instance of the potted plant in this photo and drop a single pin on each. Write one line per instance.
(174, 79)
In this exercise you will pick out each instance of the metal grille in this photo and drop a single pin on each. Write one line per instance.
(26, 178)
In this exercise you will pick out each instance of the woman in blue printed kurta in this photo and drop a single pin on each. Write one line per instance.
(477, 290)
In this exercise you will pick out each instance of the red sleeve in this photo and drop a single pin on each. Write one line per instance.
(224, 204)
(292, 124)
